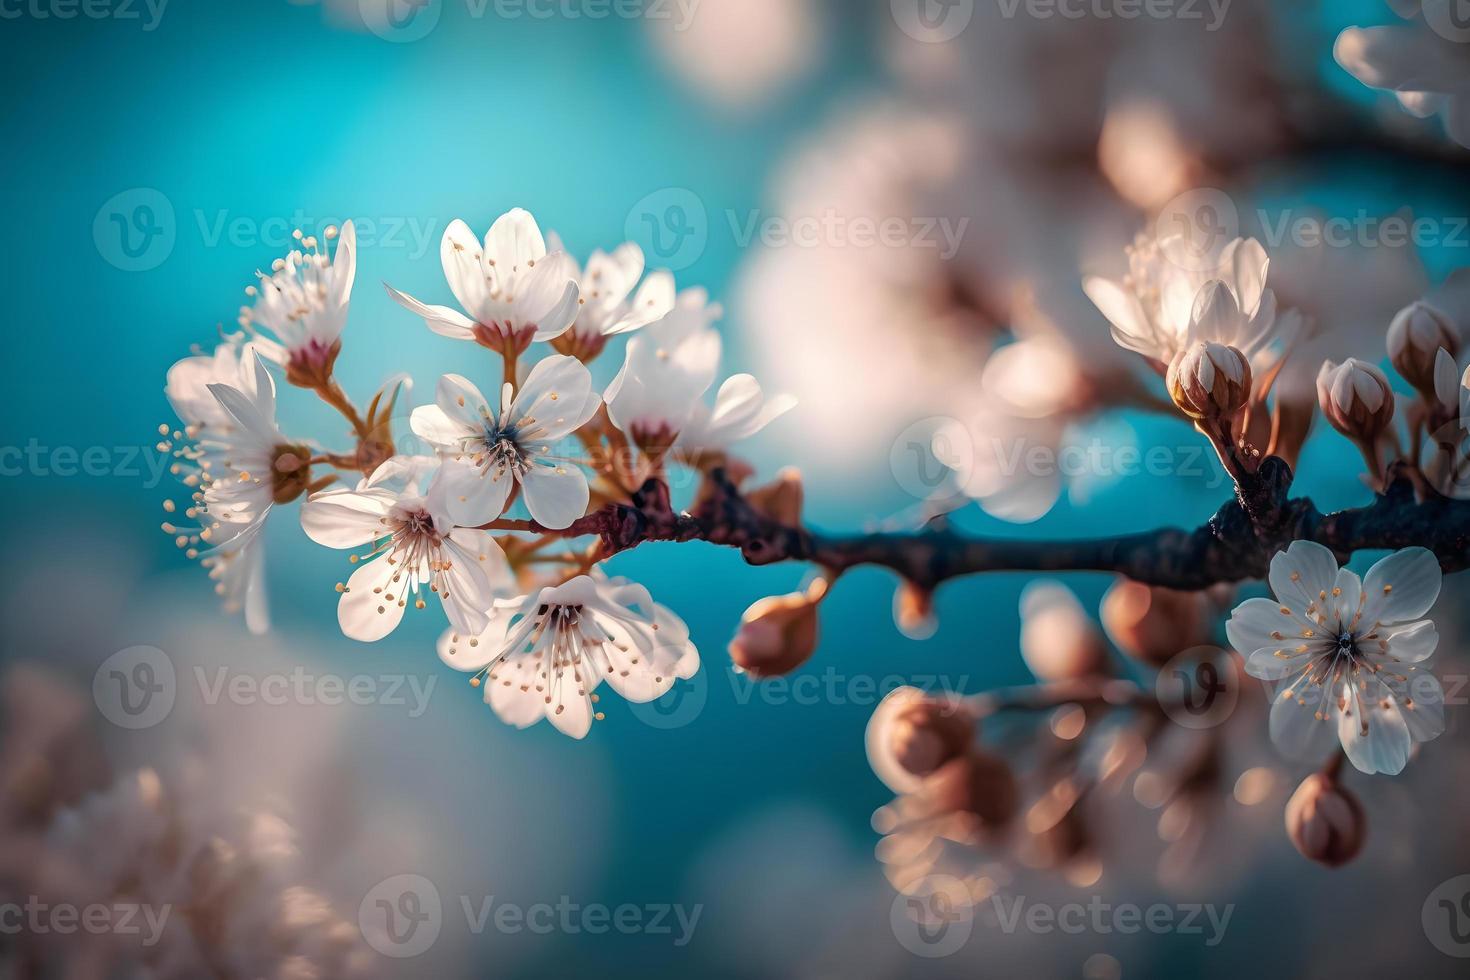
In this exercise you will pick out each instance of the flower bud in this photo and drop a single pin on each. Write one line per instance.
(976, 783)
(913, 611)
(1152, 624)
(1325, 821)
(781, 501)
(778, 634)
(1415, 338)
(911, 735)
(1059, 641)
(1209, 380)
(1356, 399)
(927, 734)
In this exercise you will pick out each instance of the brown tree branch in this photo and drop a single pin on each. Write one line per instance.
(1232, 547)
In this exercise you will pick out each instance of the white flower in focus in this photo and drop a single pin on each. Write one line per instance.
(1165, 302)
(512, 289)
(545, 655)
(668, 368)
(304, 303)
(414, 543)
(1349, 653)
(609, 305)
(241, 466)
(488, 450)
(741, 410)
(1426, 65)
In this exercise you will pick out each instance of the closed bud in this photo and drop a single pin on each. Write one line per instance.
(912, 735)
(778, 634)
(1208, 380)
(1356, 399)
(781, 501)
(913, 611)
(1415, 338)
(1151, 624)
(1325, 821)
(977, 783)
(1059, 641)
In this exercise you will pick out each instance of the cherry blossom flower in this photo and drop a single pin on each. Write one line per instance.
(1426, 65)
(1171, 298)
(240, 466)
(741, 410)
(414, 543)
(512, 289)
(609, 304)
(545, 655)
(1350, 654)
(303, 303)
(487, 450)
(668, 368)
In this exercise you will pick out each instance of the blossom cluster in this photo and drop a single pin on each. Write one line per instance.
(539, 631)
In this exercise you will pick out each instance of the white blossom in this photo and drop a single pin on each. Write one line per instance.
(1349, 653)
(545, 655)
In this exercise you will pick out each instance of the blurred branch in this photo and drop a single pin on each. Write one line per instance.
(1230, 548)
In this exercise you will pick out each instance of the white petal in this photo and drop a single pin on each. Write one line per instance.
(344, 266)
(457, 651)
(1131, 327)
(1302, 722)
(368, 615)
(460, 253)
(472, 495)
(1409, 644)
(1373, 732)
(1402, 587)
(346, 518)
(549, 297)
(458, 398)
(1301, 573)
(556, 495)
(440, 319)
(431, 424)
(554, 394)
(514, 240)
